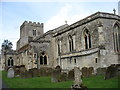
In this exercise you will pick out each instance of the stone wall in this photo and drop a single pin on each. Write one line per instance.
(101, 37)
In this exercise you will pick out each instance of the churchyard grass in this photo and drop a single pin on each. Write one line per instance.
(37, 82)
(45, 82)
(99, 82)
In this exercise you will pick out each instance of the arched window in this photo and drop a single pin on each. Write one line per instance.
(58, 49)
(71, 47)
(116, 36)
(43, 59)
(10, 62)
(87, 39)
(34, 32)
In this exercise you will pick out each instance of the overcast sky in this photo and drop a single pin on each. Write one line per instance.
(52, 14)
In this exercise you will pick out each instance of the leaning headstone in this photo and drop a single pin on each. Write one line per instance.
(10, 73)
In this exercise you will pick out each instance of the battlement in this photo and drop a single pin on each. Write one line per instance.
(30, 23)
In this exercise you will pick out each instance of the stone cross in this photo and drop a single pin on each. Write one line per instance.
(65, 22)
(10, 73)
(114, 11)
(77, 75)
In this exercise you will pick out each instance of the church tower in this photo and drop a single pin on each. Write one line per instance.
(29, 31)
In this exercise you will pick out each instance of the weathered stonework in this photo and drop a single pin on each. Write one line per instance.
(89, 42)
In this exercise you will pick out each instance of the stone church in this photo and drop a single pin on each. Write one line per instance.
(91, 42)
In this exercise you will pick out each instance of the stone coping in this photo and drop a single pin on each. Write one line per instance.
(80, 53)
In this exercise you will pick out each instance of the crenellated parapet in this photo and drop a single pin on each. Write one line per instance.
(30, 23)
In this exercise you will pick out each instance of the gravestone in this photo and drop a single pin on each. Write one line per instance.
(78, 85)
(49, 71)
(17, 71)
(10, 73)
(112, 71)
(42, 71)
(58, 68)
(101, 71)
(71, 74)
(62, 77)
(77, 75)
(90, 71)
(84, 72)
(56, 74)
(35, 72)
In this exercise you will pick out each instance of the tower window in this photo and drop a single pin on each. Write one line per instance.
(34, 32)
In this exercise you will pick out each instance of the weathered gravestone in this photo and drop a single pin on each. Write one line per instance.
(10, 73)
(112, 71)
(90, 71)
(45, 71)
(49, 71)
(77, 78)
(62, 77)
(84, 72)
(77, 74)
(22, 71)
(78, 81)
(56, 74)
(101, 71)
(17, 71)
(71, 74)
(34, 72)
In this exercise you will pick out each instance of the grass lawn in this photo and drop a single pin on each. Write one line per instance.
(45, 82)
